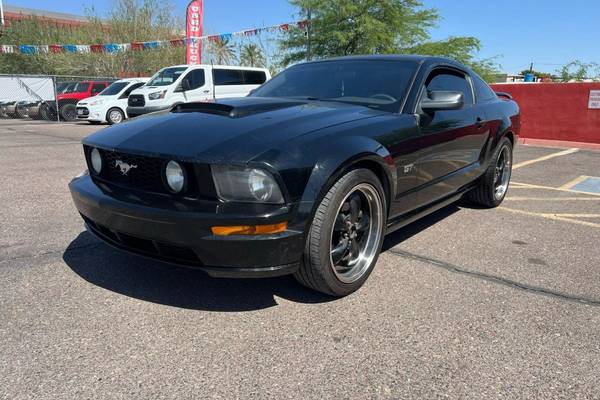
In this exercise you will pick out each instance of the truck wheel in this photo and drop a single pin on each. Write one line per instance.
(114, 116)
(68, 112)
(346, 235)
(493, 185)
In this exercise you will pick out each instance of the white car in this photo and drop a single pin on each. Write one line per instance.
(110, 105)
(184, 83)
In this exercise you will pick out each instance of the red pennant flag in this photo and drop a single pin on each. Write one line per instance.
(55, 48)
(137, 46)
(284, 27)
(97, 48)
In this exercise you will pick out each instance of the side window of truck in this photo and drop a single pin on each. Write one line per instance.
(98, 87)
(195, 78)
(228, 77)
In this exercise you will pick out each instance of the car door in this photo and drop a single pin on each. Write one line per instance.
(196, 88)
(451, 140)
(229, 83)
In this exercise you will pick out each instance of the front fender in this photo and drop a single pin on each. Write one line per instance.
(343, 154)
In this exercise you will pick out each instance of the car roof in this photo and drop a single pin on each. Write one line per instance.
(396, 57)
(215, 66)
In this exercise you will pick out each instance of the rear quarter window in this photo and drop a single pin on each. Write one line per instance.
(255, 77)
(482, 91)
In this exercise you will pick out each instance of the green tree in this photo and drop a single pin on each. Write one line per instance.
(346, 27)
(251, 55)
(128, 20)
(578, 71)
(222, 51)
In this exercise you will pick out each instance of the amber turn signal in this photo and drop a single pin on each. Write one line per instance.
(249, 229)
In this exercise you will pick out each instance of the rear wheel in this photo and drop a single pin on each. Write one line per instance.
(114, 116)
(493, 185)
(68, 112)
(346, 235)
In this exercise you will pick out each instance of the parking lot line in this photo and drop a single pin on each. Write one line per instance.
(552, 216)
(574, 182)
(544, 158)
(517, 198)
(519, 185)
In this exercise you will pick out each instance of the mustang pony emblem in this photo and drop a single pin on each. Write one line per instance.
(124, 167)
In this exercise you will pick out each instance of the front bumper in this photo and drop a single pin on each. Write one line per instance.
(184, 237)
(137, 111)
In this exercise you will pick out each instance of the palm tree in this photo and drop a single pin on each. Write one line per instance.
(223, 51)
(252, 56)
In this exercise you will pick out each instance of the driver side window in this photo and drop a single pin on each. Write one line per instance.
(195, 78)
(448, 80)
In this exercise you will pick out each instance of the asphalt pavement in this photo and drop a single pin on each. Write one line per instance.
(467, 303)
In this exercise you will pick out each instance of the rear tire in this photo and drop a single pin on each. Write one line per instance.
(346, 235)
(68, 112)
(493, 185)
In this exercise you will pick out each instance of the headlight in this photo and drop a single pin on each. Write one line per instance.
(246, 185)
(175, 176)
(157, 95)
(96, 102)
(96, 160)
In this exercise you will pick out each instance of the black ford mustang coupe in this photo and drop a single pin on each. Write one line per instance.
(306, 175)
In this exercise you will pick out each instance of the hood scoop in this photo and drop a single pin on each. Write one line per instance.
(237, 108)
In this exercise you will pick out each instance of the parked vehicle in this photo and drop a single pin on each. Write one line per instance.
(67, 101)
(307, 174)
(110, 105)
(183, 83)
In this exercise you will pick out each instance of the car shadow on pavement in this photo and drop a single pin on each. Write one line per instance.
(410, 230)
(174, 286)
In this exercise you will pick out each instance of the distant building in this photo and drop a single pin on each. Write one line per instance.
(14, 14)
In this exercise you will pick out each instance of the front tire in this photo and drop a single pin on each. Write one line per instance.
(493, 185)
(346, 235)
(114, 116)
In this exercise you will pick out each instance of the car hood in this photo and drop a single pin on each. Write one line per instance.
(233, 130)
(150, 89)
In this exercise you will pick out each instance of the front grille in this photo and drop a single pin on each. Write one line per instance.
(133, 171)
(159, 250)
(147, 174)
(83, 112)
(136, 100)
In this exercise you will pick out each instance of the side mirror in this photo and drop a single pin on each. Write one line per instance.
(442, 100)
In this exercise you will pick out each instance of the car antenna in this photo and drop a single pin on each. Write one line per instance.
(212, 71)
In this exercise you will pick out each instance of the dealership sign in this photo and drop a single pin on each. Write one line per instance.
(194, 22)
(594, 102)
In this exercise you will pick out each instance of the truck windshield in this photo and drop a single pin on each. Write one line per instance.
(80, 87)
(114, 89)
(380, 84)
(166, 76)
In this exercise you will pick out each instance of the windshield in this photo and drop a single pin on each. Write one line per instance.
(80, 87)
(114, 89)
(68, 88)
(380, 84)
(166, 76)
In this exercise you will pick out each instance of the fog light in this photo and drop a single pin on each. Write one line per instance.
(96, 160)
(175, 176)
(249, 229)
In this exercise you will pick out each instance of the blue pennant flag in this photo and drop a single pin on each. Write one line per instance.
(70, 48)
(111, 47)
(150, 45)
(27, 49)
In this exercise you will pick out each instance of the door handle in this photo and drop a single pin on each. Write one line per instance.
(480, 122)
(206, 91)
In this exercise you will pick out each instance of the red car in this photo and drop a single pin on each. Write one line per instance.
(67, 101)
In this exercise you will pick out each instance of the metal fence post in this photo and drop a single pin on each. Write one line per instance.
(55, 98)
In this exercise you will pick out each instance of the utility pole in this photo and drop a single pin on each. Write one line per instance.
(531, 68)
(308, 34)
(1, 17)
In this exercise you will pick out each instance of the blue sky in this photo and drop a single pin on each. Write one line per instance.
(517, 32)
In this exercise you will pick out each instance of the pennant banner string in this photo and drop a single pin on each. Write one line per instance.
(138, 46)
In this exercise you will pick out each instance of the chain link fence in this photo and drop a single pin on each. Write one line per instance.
(46, 97)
